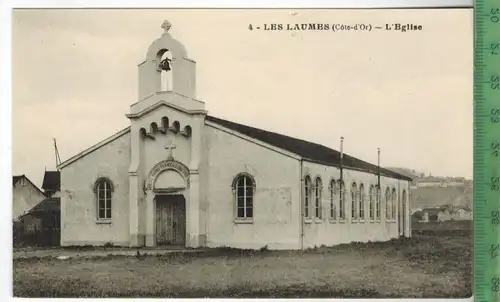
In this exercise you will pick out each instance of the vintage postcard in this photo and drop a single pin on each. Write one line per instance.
(257, 153)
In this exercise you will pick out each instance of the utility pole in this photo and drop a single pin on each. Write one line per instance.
(58, 159)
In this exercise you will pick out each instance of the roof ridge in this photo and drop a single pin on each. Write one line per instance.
(271, 132)
(327, 156)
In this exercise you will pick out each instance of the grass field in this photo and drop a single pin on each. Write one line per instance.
(435, 262)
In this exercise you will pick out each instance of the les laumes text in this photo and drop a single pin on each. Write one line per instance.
(339, 26)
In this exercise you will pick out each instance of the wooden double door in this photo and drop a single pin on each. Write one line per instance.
(170, 220)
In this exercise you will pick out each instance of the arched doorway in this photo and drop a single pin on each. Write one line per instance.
(168, 184)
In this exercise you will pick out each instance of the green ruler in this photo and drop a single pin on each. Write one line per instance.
(487, 151)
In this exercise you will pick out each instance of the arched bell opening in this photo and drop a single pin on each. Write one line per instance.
(153, 129)
(164, 59)
(144, 134)
(176, 127)
(164, 125)
(187, 132)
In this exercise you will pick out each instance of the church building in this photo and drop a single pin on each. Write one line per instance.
(180, 177)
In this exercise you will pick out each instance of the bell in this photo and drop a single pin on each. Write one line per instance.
(165, 65)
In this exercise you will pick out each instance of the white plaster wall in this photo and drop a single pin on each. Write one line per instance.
(24, 197)
(153, 150)
(204, 173)
(276, 199)
(79, 225)
(332, 231)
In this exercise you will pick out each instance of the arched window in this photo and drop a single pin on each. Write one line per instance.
(361, 202)
(387, 204)
(307, 196)
(371, 194)
(354, 202)
(403, 202)
(341, 201)
(103, 189)
(318, 189)
(394, 204)
(403, 206)
(333, 193)
(244, 187)
(377, 202)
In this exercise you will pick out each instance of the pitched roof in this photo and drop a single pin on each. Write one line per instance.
(309, 151)
(433, 211)
(94, 147)
(50, 204)
(17, 178)
(52, 181)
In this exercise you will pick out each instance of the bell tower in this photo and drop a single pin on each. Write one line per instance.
(167, 111)
(167, 61)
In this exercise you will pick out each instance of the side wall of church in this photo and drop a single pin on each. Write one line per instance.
(331, 231)
(79, 223)
(276, 199)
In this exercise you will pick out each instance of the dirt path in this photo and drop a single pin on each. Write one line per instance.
(55, 253)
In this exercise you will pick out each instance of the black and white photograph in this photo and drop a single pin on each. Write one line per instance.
(242, 153)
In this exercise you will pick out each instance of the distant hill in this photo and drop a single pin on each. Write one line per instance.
(446, 191)
(407, 172)
(430, 197)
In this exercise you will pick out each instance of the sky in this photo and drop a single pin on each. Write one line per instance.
(74, 75)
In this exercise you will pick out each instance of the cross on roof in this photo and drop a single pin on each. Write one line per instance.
(170, 148)
(166, 26)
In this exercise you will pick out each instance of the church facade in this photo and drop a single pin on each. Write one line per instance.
(180, 177)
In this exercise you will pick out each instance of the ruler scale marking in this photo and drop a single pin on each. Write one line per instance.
(486, 139)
